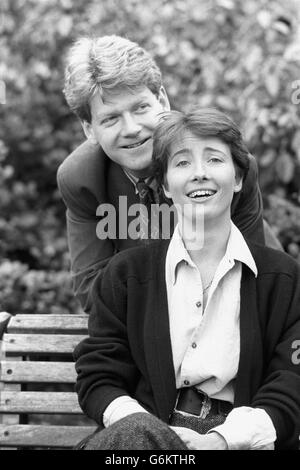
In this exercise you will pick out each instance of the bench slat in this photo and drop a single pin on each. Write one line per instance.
(42, 372)
(39, 402)
(43, 436)
(4, 319)
(40, 344)
(29, 337)
(70, 324)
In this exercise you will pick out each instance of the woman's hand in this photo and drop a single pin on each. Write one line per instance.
(195, 441)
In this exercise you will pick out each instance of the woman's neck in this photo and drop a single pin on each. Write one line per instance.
(213, 245)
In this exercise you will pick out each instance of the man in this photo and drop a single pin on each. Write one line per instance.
(115, 88)
(194, 340)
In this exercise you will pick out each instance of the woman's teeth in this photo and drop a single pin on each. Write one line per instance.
(202, 193)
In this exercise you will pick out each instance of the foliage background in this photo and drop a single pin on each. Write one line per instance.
(242, 57)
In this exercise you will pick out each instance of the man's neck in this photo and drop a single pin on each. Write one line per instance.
(136, 175)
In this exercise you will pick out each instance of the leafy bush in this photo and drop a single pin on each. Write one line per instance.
(241, 57)
(25, 290)
(285, 219)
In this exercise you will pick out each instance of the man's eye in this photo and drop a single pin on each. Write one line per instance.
(109, 121)
(142, 107)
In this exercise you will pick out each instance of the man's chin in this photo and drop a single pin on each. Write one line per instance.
(140, 171)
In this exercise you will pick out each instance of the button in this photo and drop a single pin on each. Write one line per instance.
(198, 304)
(194, 345)
(186, 382)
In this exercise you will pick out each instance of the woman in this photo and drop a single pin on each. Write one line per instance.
(190, 340)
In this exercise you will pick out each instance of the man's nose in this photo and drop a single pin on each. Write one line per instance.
(130, 126)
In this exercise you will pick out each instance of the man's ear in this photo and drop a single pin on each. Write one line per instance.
(89, 132)
(163, 99)
(238, 183)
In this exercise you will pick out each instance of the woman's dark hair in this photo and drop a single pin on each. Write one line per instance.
(201, 122)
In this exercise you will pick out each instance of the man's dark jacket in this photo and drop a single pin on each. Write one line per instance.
(88, 178)
(129, 348)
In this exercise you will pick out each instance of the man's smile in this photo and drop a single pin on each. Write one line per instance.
(136, 144)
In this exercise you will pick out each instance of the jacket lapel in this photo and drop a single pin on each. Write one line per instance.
(158, 342)
(250, 340)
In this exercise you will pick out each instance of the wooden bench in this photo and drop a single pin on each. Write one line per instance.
(38, 405)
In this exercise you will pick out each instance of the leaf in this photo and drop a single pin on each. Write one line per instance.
(162, 47)
(263, 117)
(65, 25)
(284, 120)
(292, 52)
(296, 145)
(187, 50)
(41, 69)
(264, 18)
(272, 83)
(267, 158)
(226, 103)
(285, 168)
(254, 58)
(227, 4)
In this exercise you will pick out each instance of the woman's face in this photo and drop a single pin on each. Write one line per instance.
(201, 174)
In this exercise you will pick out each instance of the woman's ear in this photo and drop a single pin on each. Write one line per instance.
(89, 132)
(166, 192)
(238, 183)
(163, 99)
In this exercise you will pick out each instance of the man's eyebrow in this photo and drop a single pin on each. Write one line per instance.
(113, 111)
(104, 115)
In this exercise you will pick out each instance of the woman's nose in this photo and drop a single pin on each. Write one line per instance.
(200, 171)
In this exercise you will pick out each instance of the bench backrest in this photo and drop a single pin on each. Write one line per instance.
(38, 405)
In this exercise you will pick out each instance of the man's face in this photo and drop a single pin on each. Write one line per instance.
(201, 173)
(123, 121)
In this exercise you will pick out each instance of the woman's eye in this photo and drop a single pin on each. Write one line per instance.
(215, 159)
(182, 163)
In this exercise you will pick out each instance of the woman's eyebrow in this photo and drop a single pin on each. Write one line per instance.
(214, 149)
(186, 150)
(182, 151)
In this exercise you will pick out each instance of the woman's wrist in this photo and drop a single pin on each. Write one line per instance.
(217, 441)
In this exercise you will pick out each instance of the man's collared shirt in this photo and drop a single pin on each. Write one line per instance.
(150, 181)
(149, 223)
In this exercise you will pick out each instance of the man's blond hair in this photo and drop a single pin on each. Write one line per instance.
(104, 63)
